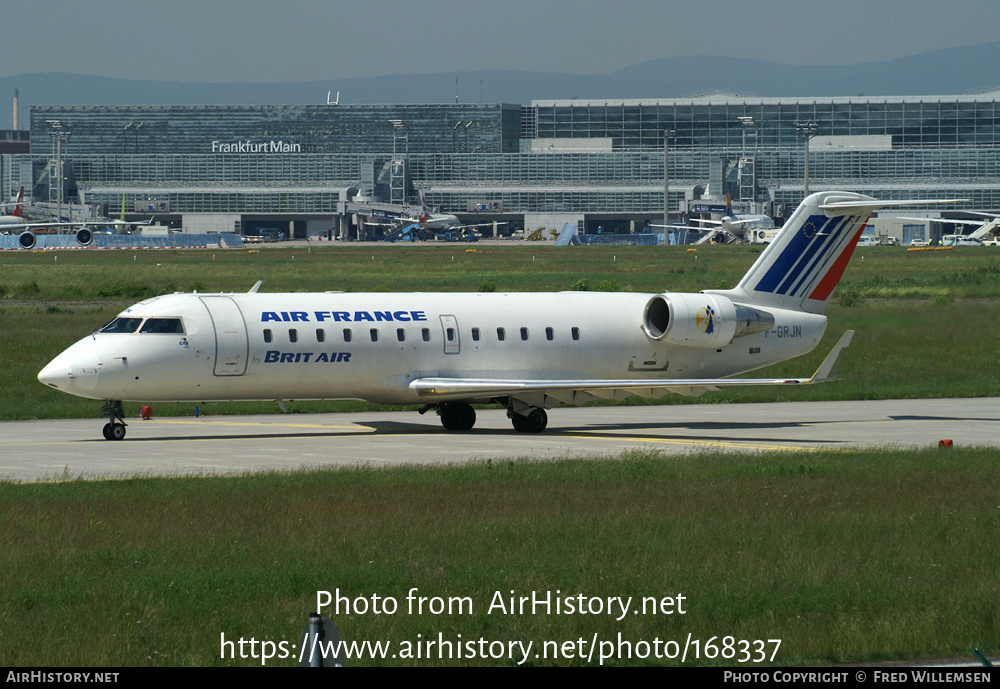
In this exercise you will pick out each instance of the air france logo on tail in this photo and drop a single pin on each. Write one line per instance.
(705, 320)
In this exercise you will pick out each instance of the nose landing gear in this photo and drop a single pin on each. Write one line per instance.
(115, 428)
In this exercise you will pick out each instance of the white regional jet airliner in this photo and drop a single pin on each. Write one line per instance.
(527, 352)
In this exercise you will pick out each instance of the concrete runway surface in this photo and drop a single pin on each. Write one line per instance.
(170, 446)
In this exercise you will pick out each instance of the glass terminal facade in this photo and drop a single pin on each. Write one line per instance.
(273, 129)
(712, 122)
(590, 158)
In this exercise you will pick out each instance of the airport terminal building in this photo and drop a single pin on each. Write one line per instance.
(599, 163)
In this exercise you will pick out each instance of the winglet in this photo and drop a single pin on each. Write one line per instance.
(256, 287)
(822, 374)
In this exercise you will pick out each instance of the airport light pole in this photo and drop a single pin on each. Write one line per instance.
(58, 134)
(397, 169)
(806, 130)
(747, 123)
(667, 133)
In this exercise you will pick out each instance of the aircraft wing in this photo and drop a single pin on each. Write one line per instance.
(32, 225)
(482, 224)
(567, 391)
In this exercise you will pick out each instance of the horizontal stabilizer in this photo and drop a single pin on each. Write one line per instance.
(822, 374)
(874, 204)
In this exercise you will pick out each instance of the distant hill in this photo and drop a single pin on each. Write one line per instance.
(941, 72)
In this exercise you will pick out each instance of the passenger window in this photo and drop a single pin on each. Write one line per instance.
(576, 333)
(320, 335)
(293, 335)
(400, 334)
(550, 334)
(450, 333)
(267, 335)
(426, 334)
(374, 334)
(475, 334)
(501, 334)
(524, 333)
(347, 334)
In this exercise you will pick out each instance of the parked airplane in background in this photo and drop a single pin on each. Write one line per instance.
(739, 226)
(526, 352)
(423, 219)
(17, 224)
(432, 224)
(17, 217)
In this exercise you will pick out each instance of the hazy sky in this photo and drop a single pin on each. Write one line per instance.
(304, 40)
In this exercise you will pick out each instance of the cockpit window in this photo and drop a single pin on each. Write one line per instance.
(163, 325)
(122, 325)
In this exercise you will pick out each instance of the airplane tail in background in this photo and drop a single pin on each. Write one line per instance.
(803, 265)
(19, 208)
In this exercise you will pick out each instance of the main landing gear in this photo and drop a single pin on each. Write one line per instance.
(457, 416)
(534, 421)
(460, 416)
(115, 428)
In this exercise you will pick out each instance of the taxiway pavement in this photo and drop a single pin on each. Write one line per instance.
(207, 445)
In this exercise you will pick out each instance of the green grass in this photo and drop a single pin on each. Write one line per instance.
(845, 557)
(880, 272)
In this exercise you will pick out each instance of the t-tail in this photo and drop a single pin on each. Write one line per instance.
(803, 265)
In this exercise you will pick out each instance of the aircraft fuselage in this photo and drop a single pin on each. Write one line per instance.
(371, 346)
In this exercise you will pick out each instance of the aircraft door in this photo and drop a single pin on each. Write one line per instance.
(231, 343)
(449, 326)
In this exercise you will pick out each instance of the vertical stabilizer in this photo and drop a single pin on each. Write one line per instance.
(19, 208)
(802, 266)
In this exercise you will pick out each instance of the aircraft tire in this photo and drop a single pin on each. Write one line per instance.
(458, 416)
(117, 431)
(107, 431)
(534, 422)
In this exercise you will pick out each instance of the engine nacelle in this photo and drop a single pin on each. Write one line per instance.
(84, 236)
(701, 320)
(26, 240)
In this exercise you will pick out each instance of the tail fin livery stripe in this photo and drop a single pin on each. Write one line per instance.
(791, 253)
(824, 239)
(826, 286)
(831, 246)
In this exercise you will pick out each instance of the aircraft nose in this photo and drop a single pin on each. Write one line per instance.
(75, 371)
(57, 374)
